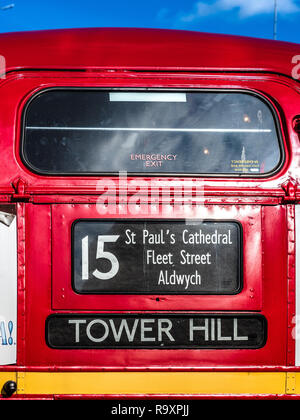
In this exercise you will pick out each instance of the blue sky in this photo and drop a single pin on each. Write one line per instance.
(238, 17)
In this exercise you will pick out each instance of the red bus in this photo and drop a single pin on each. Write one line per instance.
(148, 215)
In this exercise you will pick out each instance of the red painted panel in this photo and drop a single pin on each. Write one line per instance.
(132, 48)
(64, 297)
(273, 270)
(16, 91)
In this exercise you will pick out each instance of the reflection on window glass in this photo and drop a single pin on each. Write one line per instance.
(92, 131)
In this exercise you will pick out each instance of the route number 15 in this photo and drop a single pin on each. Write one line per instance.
(102, 239)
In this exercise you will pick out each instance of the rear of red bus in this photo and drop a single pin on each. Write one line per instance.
(148, 215)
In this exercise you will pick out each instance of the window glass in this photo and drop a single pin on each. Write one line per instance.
(95, 131)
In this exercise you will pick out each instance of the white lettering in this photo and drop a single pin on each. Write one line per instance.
(99, 339)
(174, 279)
(77, 322)
(165, 330)
(204, 328)
(235, 332)
(219, 332)
(124, 326)
(144, 329)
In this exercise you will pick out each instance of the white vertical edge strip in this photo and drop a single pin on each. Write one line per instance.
(297, 262)
(8, 292)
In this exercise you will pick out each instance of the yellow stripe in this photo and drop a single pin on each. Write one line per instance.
(129, 383)
(7, 376)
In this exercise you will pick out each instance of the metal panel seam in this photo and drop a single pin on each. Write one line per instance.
(290, 383)
(20, 382)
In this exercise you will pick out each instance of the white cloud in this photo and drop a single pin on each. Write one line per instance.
(246, 8)
(201, 9)
(256, 7)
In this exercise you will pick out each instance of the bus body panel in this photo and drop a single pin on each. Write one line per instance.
(145, 49)
(275, 90)
(47, 208)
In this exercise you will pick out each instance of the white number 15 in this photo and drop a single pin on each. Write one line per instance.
(100, 254)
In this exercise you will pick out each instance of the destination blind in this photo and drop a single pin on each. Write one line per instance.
(198, 257)
(160, 331)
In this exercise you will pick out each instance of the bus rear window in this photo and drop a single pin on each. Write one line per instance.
(88, 132)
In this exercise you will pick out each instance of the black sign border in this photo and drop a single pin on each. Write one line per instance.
(180, 220)
(166, 315)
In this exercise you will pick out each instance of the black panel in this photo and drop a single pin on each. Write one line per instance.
(156, 331)
(199, 257)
